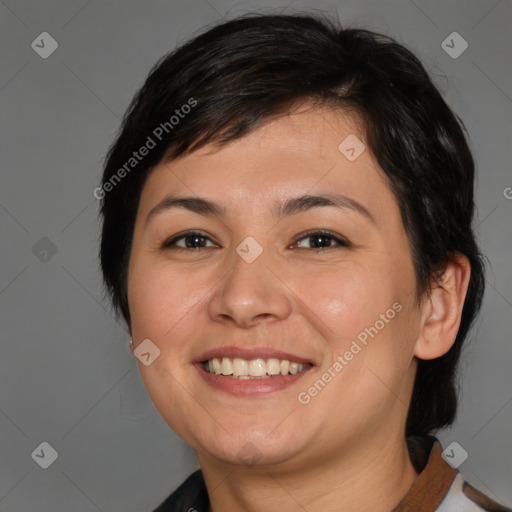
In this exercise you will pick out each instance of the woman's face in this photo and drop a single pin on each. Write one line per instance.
(259, 283)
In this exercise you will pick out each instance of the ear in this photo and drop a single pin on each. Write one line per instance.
(441, 310)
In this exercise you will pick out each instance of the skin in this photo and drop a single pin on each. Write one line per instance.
(347, 445)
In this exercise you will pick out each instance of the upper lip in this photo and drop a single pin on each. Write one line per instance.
(249, 354)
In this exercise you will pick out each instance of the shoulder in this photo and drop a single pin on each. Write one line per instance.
(190, 496)
(439, 486)
(463, 496)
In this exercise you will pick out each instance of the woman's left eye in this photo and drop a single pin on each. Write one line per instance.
(322, 239)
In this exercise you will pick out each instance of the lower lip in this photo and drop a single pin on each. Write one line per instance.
(249, 387)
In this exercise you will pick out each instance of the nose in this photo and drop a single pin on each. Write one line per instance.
(250, 293)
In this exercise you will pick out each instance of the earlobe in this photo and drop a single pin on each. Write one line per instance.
(442, 310)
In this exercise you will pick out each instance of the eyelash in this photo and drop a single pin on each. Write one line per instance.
(170, 244)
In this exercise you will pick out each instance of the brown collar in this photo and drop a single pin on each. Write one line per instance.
(432, 483)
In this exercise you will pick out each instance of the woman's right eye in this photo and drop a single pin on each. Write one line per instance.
(191, 240)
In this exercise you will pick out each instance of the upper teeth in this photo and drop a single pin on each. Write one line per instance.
(254, 368)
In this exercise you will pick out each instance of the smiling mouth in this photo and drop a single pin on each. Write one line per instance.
(258, 368)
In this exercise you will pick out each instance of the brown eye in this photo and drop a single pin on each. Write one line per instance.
(322, 240)
(191, 240)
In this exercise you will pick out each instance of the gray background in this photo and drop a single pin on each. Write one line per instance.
(67, 377)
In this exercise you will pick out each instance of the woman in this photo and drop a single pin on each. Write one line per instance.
(287, 232)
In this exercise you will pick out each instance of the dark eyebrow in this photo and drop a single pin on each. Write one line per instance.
(193, 204)
(291, 206)
(303, 203)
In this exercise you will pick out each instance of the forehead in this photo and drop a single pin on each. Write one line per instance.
(308, 150)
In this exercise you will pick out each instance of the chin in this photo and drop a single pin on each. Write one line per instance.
(251, 453)
(253, 445)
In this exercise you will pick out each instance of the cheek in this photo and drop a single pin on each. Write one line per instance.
(366, 315)
(159, 299)
(162, 307)
(346, 300)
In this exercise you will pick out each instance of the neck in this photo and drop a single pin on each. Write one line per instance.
(371, 476)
